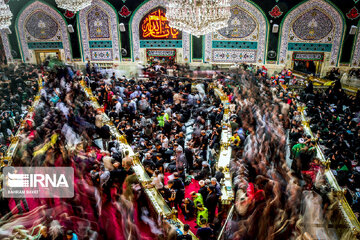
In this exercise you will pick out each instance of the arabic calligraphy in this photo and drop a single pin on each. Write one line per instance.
(156, 25)
(308, 56)
(161, 53)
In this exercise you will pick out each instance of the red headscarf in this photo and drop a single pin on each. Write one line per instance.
(252, 195)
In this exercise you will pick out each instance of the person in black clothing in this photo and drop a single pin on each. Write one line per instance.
(166, 193)
(181, 174)
(204, 144)
(167, 127)
(105, 135)
(115, 174)
(5, 209)
(219, 174)
(88, 68)
(185, 235)
(189, 155)
(205, 171)
(113, 114)
(211, 202)
(212, 116)
(204, 232)
(203, 189)
(178, 183)
(129, 131)
(148, 161)
(215, 137)
(188, 209)
(179, 187)
(181, 139)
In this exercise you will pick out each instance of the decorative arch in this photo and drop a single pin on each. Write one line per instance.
(99, 32)
(252, 35)
(323, 40)
(39, 26)
(135, 20)
(355, 62)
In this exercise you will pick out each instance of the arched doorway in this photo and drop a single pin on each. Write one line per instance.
(41, 29)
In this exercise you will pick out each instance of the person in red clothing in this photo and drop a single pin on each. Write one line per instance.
(109, 95)
(230, 96)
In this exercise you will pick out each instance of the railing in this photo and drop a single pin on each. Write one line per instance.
(156, 199)
(344, 206)
(323, 84)
(225, 151)
(322, 88)
(326, 83)
(230, 216)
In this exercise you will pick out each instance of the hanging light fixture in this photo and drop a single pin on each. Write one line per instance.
(73, 5)
(198, 17)
(5, 15)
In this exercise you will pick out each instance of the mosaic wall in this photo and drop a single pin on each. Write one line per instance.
(98, 23)
(315, 47)
(45, 45)
(315, 21)
(234, 44)
(100, 44)
(313, 25)
(241, 24)
(99, 29)
(41, 25)
(39, 22)
(160, 44)
(135, 29)
(248, 24)
(356, 55)
(237, 56)
(101, 55)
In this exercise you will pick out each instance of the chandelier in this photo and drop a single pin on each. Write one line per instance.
(73, 5)
(198, 17)
(5, 15)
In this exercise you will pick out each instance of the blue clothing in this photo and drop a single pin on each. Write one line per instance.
(74, 237)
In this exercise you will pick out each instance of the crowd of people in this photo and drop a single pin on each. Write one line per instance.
(334, 120)
(18, 86)
(175, 126)
(273, 198)
(354, 73)
(161, 110)
(174, 123)
(333, 74)
(62, 131)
